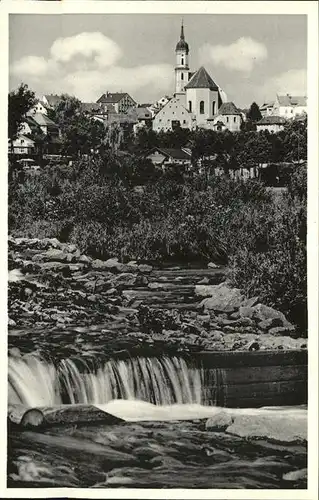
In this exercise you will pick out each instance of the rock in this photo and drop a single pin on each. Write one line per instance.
(204, 281)
(252, 346)
(115, 266)
(235, 315)
(189, 328)
(212, 265)
(223, 298)
(54, 266)
(15, 352)
(145, 268)
(219, 422)
(260, 312)
(282, 330)
(125, 279)
(156, 286)
(56, 255)
(266, 324)
(15, 275)
(11, 322)
(284, 426)
(205, 290)
(92, 298)
(203, 320)
(84, 259)
(76, 267)
(295, 475)
(250, 302)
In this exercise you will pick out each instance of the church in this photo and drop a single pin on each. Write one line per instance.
(198, 101)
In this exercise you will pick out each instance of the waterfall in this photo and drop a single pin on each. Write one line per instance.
(161, 381)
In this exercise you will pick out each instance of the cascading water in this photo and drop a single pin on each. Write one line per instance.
(161, 381)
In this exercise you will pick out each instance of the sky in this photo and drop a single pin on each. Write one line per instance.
(251, 57)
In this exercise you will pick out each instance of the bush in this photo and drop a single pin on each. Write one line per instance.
(262, 237)
(272, 262)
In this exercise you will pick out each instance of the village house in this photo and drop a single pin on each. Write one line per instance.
(47, 126)
(37, 108)
(118, 102)
(50, 100)
(289, 106)
(173, 115)
(29, 127)
(22, 145)
(267, 108)
(273, 124)
(167, 157)
(228, 117)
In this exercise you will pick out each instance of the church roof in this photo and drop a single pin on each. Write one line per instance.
(228, 108)
(201, 80)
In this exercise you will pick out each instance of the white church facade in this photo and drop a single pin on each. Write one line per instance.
(197, 99)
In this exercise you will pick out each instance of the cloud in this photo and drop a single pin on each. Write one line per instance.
(241, 55)
(87, 84)
(86, 65)
(96, 46)
(292, 82)
(33, 66)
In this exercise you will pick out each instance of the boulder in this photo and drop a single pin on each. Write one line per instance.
(212, 265)
(53, 254)
(252, 346)
(223, 298)
(112, 265)
(54, 266)
(295, 475)
(266, 324)
(282, 331)
(204, 281)
(219, 422)
(84, 259)
(260, 313)
(127, 279)
(205, 290)
(145, 268)
(282, 426)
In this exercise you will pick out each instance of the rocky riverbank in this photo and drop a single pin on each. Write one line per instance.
(61, 298)
(253, 449)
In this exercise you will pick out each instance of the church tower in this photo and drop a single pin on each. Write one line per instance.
(181, 68)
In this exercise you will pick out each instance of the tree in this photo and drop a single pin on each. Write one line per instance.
(80, 134)
(254, 113)
(20, 101)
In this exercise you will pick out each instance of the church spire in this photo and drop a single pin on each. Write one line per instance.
(182, 45)
(182, 31)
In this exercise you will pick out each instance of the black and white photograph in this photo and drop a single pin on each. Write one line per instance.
(158, 306)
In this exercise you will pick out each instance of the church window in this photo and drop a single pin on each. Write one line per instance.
(182, 76)
(190, 106)
(213, 107)
(234, 119)
(227, 119)
(182, 61)
(202, 107)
